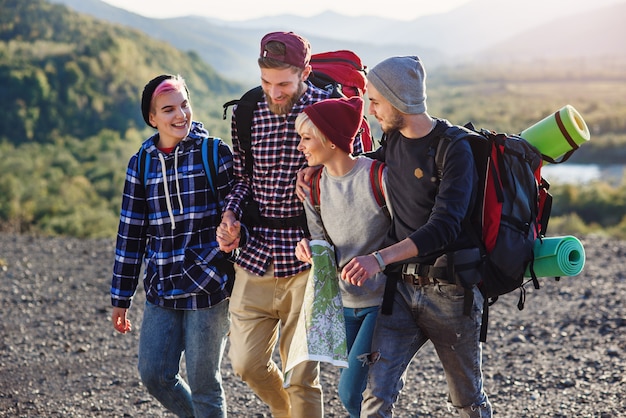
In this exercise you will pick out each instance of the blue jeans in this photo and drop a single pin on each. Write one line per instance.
(359, 328)
(201, 335)
(422, 313)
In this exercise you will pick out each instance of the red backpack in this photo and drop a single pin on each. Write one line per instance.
(341, 69)
(343, 74)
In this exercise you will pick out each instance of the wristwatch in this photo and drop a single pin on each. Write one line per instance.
(379, 260)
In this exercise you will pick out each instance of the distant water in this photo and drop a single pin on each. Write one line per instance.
(582, 173)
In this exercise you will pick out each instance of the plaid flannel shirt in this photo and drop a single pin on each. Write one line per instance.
(180, 257)
(276, 163)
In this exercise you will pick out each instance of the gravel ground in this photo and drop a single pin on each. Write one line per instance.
(562, 356)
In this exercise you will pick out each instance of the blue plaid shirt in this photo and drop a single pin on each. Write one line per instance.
(176, 240)
(276, 163)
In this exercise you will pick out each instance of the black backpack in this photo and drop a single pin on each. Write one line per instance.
(512, 210)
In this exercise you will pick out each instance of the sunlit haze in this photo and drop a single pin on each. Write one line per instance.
(251, 9)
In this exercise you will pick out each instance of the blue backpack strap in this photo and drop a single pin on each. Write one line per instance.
(210, 159)
(143, 165)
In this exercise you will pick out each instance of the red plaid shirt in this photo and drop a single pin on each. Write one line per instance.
(276, 162)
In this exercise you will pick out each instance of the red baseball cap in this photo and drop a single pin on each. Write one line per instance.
(297, 49)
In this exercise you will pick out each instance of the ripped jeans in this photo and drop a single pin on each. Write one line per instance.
(422, 313)
(360, 324)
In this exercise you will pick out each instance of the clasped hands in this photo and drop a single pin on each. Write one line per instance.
(228, 232)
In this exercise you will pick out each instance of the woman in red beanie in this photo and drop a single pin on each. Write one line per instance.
(350, 217)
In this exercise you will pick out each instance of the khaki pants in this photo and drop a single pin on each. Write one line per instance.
(264, 310)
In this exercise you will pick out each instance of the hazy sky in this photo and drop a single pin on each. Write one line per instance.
(249, 9)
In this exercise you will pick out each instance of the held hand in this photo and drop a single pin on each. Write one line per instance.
(303, 251)
(229, 218)
(228, 237)
(303, 179)
(359, 269)
(120, 323)
(228, 232)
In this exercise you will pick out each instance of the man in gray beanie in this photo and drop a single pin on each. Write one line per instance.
(429, 208)
(402, 81)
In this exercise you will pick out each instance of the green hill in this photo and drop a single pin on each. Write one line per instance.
(65, 73)
(70, 91)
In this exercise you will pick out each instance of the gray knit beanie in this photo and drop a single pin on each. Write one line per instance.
(401, 80)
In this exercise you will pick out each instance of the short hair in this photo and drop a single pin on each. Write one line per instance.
(171, 84)
(303, 122)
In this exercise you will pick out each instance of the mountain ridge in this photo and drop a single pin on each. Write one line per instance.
(572, 39)
(470, 33)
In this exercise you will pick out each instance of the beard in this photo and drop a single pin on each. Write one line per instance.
(394, 123)
(285, 108)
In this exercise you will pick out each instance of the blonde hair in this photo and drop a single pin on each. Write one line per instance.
(303, 122)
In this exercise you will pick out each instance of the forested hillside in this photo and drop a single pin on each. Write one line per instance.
(68, 74)
(70, 90)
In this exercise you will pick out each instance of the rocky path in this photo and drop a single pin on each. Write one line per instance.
(564, 355)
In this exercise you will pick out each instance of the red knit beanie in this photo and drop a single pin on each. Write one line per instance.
(338, 119)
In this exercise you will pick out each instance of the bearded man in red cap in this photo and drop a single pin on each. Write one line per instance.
(269, 279)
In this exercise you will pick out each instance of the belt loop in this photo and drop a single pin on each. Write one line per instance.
(410, 268)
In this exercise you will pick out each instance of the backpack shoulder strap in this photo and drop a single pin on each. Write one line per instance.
(210, 160)
(376, 180)
(451, 134)
(143, 162)
(315, 189)
(315, 198)
(243, 116)
(440, 154)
